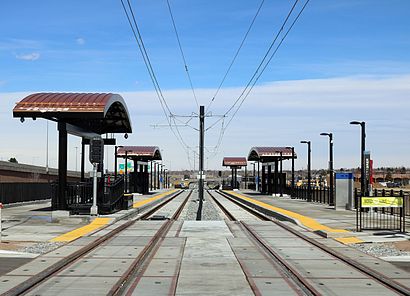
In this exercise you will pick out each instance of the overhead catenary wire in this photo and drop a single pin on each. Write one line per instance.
(182, 54)
(261, 63)
(245, 93)
(147, 62)
(235, 56)
(265, 66)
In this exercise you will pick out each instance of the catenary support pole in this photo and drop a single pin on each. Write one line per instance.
(201, 160)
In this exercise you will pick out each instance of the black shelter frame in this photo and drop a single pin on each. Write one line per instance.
(87, 115)
(271, 158)
(234, 163)
(141, 181)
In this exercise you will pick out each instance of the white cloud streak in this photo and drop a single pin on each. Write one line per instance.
(276, 114)
(80, 41)
(28, 57)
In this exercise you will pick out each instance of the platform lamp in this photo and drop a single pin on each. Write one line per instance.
(309, 197)
(363, 147)
(331, 172)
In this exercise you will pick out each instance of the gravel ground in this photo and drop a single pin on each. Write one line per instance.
(41, 248)
(208, 210)
(382, 249)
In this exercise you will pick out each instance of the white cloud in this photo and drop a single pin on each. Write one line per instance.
(80, 41)
(277, 114)
(28, 57)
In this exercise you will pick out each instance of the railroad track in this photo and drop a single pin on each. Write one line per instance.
(298, 278)
(123, 284)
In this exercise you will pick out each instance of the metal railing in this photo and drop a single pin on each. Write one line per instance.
(382, 218)
(110, 195)
(24, 192)
(317, 194)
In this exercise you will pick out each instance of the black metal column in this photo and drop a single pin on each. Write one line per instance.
(259, 178)
(276, 177)
(126, 172)
(150, 183)
(293, 172)
(263, 181)
(331, 172)
(281, 176)
(363, 174)
(59, 203)
(82, 160)
(155, 176)
(309, 173)
(201, 160)
(270, 179)
(115, 162)
(246, 177)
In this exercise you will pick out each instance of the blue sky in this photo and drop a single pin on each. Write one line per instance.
(339, 51)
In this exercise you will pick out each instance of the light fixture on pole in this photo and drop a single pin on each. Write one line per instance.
(363, 147)
(331, 171)
(309, 197)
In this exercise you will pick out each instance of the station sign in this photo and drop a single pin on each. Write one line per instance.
(96, 154)
(121, 168)
(382, 202)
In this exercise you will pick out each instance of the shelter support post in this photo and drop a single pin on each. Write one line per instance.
(59, 203)
(263, 184)
(82, 160)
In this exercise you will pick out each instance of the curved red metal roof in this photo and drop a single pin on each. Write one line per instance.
(95, 112)
(266, 154)
(66, 102)
(142, 152)
(234, 161)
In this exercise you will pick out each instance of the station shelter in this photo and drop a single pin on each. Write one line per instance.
(141, 156)
(234, 163)
(271, 181)
(87, 115)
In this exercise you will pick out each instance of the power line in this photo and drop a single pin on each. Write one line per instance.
(147, 62)
(235, 56)
(261, 63)
(251, 84)
(182, 54)
(267, 63)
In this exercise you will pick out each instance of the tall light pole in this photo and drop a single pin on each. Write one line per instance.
(331, 173)
(363, 147)
(309, 197)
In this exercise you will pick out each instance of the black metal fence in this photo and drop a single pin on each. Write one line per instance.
(379, 217)
(24, 192)
(317, 194)
(110, 195)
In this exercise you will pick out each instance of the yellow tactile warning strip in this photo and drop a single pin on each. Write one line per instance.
(148, 200)
(349, 240)
(99, 222)
(79, 232)
(306, 221)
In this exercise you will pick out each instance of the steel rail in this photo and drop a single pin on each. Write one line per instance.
(375, 275)
(297, 278)
(223, 209)
(42, 276)
(129, 280)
